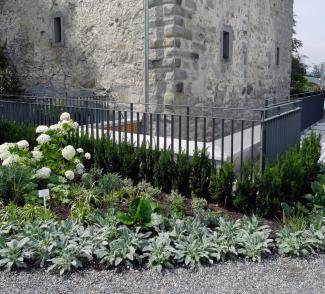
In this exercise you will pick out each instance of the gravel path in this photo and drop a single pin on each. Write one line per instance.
(279, 275)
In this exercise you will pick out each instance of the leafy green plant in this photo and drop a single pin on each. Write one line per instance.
(159, 252)
(222, 185)
(317, 199)
(16, 183)
(164, 171)
(14, 132)
(147, 158)
(146, 189)
(201, 168)
(81, 212)
(110, 183)
(245, 199)
(181, 181)
(143, 212)
(177, 204)
(297, 243)
(13, 254)
(198, 204)
(311, 151)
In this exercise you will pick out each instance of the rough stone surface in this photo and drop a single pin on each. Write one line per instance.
(281, 275)
(103, 49)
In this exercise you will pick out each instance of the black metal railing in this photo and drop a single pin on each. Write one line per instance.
(229, 134)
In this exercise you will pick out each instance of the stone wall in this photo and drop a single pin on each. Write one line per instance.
(103, 49)
(102, 52)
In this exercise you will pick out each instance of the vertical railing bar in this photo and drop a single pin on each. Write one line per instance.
(252, 149)
(158, 131)
(241, 149)
(165, 132)
(172, 132)
(180, 135)
(131, 118)
(119, 127)
(125, 126)
(232, 143)
(138, 129)
(187, 129)
(222, 141)
(150, 131)
(195, 132)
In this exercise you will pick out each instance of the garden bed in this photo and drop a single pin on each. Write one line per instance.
(113, 205)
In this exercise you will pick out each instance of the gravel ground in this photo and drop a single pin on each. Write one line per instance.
(279, 275)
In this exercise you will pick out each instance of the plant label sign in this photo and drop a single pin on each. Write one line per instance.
(44, 193)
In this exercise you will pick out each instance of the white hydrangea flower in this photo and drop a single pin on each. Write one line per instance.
(11, 145)
(80, 168)
(54, 127)
(42, 129)
(69, 174)
(80, 150)
(43, 173)
(37, 155)
(65, 116)
(4, 155)
(23, 144)
(75, 125)
(68, 152)
(43, 139)
(4, 147)
(11, 159)
(88, 156)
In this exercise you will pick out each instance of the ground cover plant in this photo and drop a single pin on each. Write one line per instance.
(116, 205)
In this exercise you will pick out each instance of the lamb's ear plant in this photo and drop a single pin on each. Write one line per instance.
(253, 239)
(296, 243)
(159, 252)
(13, 254)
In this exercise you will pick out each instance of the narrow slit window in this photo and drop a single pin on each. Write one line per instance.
(226, 45)
(277, 56)
(57, 30)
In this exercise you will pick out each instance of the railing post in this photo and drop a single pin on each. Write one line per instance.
(262, 148)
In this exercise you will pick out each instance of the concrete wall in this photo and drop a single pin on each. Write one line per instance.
(104, 43)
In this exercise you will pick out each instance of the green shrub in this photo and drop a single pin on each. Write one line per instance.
(177, 205)
(146, 189)
(16, 183)
(317, 199)
(270, 191)
(110, 183)
(222, 185)
(311, 151)
(14, 132)
(201, 169)
(147, 158)
(164, 171)
(181, 181)
(129, 162)
(246, 189)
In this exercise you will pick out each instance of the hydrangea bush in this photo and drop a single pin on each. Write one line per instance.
(52, 161)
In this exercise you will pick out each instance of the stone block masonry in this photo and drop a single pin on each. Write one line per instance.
(231, 53)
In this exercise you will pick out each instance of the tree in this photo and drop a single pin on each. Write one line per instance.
(316, 71)
(298, 67)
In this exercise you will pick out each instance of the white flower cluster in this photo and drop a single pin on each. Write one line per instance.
(48, 150)
(43, 173)
(43, 139)
(68, 152)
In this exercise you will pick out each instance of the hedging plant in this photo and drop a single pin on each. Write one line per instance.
(181, 181)
(14, 132)
(201, 170)
(245, 198)
(222, 185)
(164, 171)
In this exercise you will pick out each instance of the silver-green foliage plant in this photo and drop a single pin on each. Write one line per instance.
(296, 243)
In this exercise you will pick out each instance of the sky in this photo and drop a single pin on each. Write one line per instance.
(310, 17)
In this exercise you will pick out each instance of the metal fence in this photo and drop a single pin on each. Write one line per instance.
(229, 134)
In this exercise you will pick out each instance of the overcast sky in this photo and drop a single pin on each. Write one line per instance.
(310, 16)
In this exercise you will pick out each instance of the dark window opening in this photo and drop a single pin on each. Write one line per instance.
(57, 30)
(278, 56)
(226, 45)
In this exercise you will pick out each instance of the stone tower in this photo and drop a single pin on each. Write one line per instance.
(219, 52)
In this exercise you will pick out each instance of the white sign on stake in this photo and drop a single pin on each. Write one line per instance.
(45, 194)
